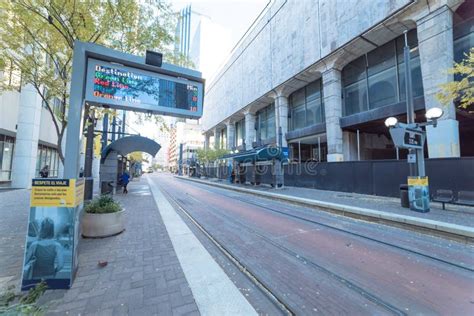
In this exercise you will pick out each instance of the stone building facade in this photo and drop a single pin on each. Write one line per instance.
(28, 140)
(324, 74)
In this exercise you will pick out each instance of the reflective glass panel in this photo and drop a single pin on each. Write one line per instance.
(383, 88)
(355, 98)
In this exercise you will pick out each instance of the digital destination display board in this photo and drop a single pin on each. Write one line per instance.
(140, 90)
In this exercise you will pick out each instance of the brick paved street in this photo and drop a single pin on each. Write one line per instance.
(143, 275)
(14, 207)
(454, 214)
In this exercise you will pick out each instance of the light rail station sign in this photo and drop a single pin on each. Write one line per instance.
(102, 77)
(407, 138)
(140, 90)
(109, 78)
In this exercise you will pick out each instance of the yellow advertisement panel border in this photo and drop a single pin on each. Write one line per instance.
(57, 192)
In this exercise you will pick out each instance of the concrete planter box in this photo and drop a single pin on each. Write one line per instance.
(102, 225)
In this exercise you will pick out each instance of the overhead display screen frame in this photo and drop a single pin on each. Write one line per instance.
(83, 56)
(134, 89)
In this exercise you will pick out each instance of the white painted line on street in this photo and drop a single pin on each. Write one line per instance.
(214, 292)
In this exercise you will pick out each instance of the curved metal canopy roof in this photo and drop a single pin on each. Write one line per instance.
(129, 144)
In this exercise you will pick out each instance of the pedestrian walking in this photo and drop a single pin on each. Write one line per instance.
(232, 176)
(44, 172)
(125, 178)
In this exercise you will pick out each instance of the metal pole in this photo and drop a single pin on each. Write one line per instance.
(88, 188)
(180, 161)
(398, 153)
(299, 151)
(74, 127)
(409, 99)
(420, 161)
(358, 146)
(280, 135)
(105, 130)
(114, 124)
(124, 121)
(408, 82)
(319, 148)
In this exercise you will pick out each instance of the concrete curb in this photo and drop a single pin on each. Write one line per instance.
(427, 224)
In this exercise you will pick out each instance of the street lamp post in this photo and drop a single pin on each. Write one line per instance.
(412, 136)
(180, 160)
(409, 100)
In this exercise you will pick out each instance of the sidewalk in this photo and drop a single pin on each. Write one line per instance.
(456, 220)
(143, 275)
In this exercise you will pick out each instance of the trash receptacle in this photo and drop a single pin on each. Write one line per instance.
(404, 196)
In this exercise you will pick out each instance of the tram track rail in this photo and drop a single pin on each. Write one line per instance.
(261, 285)
(304, 219)
(284, 306)
(459, 233)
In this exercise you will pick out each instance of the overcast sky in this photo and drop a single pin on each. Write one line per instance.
(236, 16)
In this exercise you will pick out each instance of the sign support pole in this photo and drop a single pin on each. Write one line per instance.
(409, 99)
(75, 112)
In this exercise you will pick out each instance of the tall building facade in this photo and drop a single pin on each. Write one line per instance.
(173, 149)
(28, 141)
(202, 42)
(189, 134)
(322, 76)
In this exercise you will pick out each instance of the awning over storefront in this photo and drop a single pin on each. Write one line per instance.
(258, 154)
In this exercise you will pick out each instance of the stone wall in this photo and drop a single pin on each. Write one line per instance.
(290, 37)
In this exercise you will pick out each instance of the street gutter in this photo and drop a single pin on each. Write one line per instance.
(454, 231)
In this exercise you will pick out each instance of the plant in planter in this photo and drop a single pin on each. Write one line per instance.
(102, 217)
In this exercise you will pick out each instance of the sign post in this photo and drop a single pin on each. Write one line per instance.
(413, 138)
(108, 78)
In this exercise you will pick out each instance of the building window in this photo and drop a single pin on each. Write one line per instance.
(306, 106)
(7, 145)
(266, 123)
(463, 32)
(240, 132)
(223, 139)
(47, 156)
(382, 76)
(378, 78)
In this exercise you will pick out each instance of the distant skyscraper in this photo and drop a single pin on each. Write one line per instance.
(183, 31)
(204, 42)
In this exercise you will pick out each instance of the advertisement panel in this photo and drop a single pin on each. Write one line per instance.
(418, 194)
(52, 233)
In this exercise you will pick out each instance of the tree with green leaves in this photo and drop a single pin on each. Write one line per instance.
(136, 156)
(37, 40)
(205, 157)
(460, 91)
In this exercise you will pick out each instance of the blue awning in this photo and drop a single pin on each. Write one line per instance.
(258, 154)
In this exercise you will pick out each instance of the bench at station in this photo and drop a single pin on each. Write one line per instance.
(465, 198)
